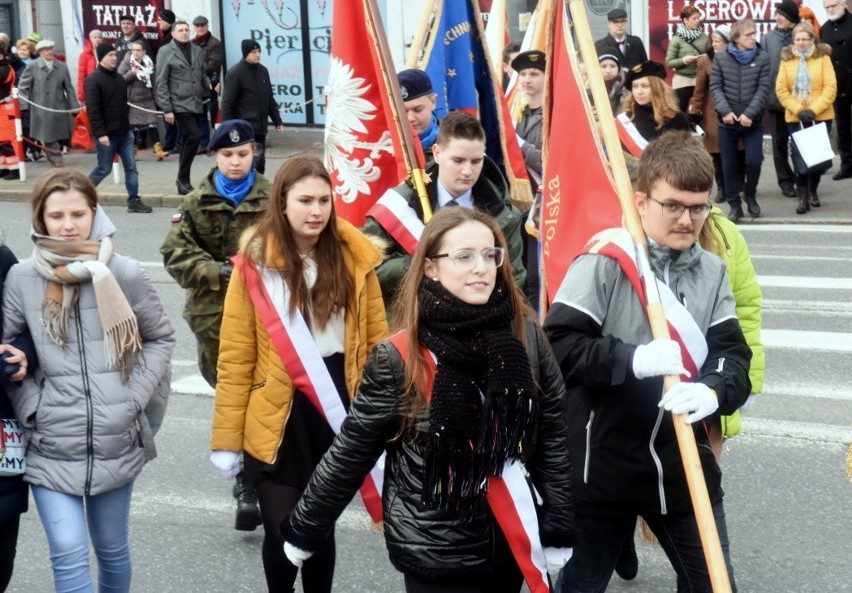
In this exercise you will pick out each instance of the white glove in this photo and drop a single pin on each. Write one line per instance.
(690, 397)
(660, 357)
(521, 141)
(296, 556)
(748, 403)
(556, 558)
(227, 462)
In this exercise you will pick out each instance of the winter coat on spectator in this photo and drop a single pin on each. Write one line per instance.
(106, 103)
(87, 64)
(51, 88)
(139, 93)
(248, 95)
(180, 84)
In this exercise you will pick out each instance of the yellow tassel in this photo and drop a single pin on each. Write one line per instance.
(849, 463)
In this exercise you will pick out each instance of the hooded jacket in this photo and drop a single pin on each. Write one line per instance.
(432, 543)
(823, 83)
(254, 391)
(88, 431)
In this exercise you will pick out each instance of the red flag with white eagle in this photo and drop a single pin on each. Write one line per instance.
(363, 151)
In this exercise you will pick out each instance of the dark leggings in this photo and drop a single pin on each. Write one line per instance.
(8, 544)
(276, 503)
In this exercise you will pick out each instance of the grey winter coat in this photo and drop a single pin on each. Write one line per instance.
(180, 84)
(139, 94)
(88, 431)
(774, 42)
(51, 88)
(740, 88)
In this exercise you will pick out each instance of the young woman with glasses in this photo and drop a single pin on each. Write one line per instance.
(465, 386)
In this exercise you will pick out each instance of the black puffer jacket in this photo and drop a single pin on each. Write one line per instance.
(431, 543)
(106, 102)
(13, 490)
(741, 89)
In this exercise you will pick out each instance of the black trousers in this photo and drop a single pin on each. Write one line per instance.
(8, 545)
(190, 136)
(781, 148)
(843, 120)
(260, 153)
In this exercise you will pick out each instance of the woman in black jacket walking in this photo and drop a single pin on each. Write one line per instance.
(467, 386)
(13, 490)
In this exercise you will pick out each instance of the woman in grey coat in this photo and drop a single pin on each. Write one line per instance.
(137, 69)
(47, 83)
(104, 346)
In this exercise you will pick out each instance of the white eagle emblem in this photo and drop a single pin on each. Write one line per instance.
(346, 113)
(234, 136)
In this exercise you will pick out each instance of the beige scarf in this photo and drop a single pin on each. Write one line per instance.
(66, 265)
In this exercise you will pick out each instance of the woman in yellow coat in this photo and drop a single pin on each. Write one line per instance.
(303, 311)
(806, 86)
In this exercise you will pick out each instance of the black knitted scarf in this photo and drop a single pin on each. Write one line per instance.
(471, 436)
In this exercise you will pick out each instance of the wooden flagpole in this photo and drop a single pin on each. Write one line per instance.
(685, 437)
(403, 129)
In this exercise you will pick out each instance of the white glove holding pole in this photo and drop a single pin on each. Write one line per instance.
(660, 357)
(227, 462)
(556, 559)
(690, 397)
(296, 556)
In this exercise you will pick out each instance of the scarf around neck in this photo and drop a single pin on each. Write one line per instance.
(233, 190)
(427, 138)
(802, 85)
(687, 34)
(144, 69)
(482, 405)
(67, 264)
(743, 56)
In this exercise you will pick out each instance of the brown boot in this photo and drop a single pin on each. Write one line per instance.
(159, 152)
(804, 199)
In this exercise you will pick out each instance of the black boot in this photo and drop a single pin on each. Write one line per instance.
(736, 212)
(813, 184)
(804, 200)
(248, 515)
(628, 563)
(753, 208)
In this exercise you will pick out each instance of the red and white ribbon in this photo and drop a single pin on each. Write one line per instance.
(304, 364)
(399, 219)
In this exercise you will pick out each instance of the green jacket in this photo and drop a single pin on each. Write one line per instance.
(732, 248)
(679, 48)
(203, 236)
(490, 194)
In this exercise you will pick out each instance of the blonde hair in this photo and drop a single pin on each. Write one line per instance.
(663, 102)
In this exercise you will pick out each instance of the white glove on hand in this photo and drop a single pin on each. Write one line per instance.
(690, 397)
(296, 556)
(227, 462)
(556, 558)
(660, 357)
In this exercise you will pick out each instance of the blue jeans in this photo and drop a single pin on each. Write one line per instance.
(65, 518)
(729, 139)
(601, 539)
(121, 144)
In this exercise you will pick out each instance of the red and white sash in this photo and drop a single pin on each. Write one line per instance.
(303, 363)
(509, 497)
(629, 135)
(617, 244)
(399, 219)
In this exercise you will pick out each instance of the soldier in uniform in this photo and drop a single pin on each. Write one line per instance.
(203, 237)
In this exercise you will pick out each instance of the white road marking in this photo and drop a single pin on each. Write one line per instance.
(825, 433)
(807, 390)
(794, 339)
(192, 385)
(805, 228)
(812, 282)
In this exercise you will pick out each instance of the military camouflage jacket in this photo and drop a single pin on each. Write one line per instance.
(204, 235)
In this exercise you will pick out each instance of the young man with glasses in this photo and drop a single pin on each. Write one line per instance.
(837, 32)
(624, 450)
(461, 175)
(628, 46)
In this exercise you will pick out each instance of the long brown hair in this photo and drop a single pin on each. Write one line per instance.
(407, 302)
(662, 101)
(334, 288)
(59, 180)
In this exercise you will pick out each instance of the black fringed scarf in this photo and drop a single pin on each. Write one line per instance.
(471, 437)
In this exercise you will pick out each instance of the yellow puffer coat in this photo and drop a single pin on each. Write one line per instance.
(823, 83)
(254, 390)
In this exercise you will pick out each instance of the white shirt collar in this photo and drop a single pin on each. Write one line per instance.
(444, 197)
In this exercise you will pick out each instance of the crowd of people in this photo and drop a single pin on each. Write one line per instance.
(406, 354)
(727, 84)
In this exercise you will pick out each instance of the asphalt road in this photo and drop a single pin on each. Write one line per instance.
(788, 501)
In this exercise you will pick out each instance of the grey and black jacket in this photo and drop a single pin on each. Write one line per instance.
(623, 447)
(742, 89)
